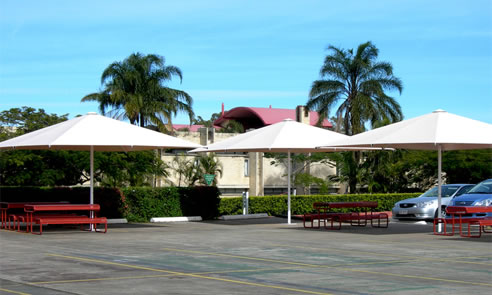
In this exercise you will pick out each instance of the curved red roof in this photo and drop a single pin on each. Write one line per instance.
(260, 117)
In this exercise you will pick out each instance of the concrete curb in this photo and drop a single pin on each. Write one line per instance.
(176, 219)
(117, 220)
(247, 216)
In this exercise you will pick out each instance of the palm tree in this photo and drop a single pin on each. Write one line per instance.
(134, 89)
(191, 170)
(357, 83)
(209, 164)
(185, 169)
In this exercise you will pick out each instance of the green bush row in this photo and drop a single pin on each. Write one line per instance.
(111, 200)
(277, 205)
(144, 203)
(137, 204)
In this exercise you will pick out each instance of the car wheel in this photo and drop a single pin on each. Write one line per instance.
(443, 213)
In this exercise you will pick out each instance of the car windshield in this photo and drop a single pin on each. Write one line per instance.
(464, 190)
(484, 187)
(446, 191)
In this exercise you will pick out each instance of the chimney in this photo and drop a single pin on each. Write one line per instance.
(222, 110)
(302, 115)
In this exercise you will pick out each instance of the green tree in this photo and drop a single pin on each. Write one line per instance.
(18, 121)
(25, 167)
(410, 170)
(300, 164)
(200, 121)
(357, 84)
(49, 168)
(118, 169)
(191, 170)
(209, 164)
(232, 126)
(185, 168)
(135, 89)
(468, 166)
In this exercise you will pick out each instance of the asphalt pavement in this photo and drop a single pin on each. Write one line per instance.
(256, 256)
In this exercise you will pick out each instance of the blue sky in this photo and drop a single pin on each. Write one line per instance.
(246, 53)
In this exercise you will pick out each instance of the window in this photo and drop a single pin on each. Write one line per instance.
(246, 167)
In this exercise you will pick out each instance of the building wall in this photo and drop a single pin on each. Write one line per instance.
(263, 177)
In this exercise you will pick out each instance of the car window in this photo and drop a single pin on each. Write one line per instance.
(446, 191)
(464, 190)
(430, 193)
(484, 187)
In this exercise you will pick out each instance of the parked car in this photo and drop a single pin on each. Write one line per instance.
(424, 207)
(479, 195)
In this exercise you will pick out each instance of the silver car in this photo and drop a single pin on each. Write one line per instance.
(424, 206)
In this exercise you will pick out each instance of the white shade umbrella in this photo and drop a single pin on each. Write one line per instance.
(439, 130)
(283, 137)
(93, 132)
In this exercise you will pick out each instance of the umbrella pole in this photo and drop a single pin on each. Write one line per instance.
(439, 184)
(288, 187)
(92, 185)
(92, 176)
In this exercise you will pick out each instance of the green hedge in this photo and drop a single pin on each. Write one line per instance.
(137, 204)
(145, 203)
(277, 205)
(111, 200)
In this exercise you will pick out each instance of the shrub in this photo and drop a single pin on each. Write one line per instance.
(110, 199)
(277, 205)
(145, 203)
(137, 204)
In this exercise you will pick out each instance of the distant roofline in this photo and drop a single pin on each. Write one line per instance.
(264, 116)
(193, 128)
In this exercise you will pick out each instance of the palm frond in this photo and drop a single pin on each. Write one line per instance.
(135, 88)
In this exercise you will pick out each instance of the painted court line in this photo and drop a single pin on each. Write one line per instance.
(161, 276)
(393, 255)
(188, 274)
(99, 279)
(420, 244)
(332, 267)
(287, 262)
(13, 292)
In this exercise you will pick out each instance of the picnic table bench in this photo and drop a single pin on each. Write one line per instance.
(62, 214)
(456, 215)
(323, 213)
(12, 212)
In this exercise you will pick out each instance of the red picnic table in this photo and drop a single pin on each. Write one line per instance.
(359, 217)
(458, 216)
(63, 214)
(14, 208)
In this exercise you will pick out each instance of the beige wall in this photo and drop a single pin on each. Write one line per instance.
(233, 171)
(233, 166)
(188, 135)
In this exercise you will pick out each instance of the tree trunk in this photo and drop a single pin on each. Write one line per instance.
(352, 160)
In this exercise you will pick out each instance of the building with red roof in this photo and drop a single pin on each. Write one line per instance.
(252, 171)
(251, 117)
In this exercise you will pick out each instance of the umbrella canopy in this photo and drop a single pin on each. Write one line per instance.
(93, 132)
(96, 131)
(283, 137)
(427, 132)
(438, 130)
